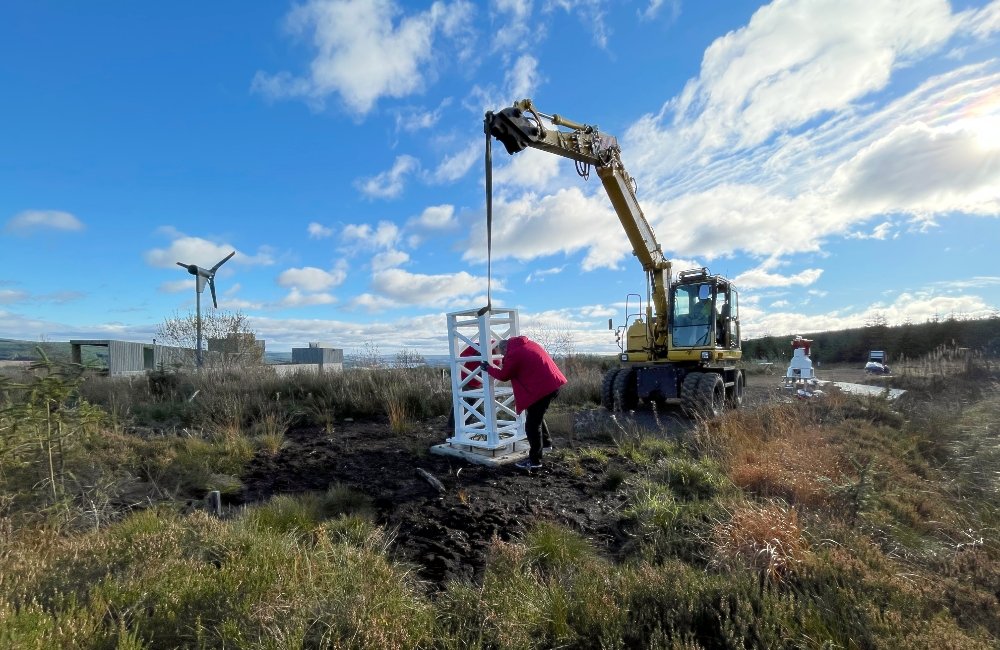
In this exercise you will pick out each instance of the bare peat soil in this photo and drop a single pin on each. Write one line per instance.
(446, 535)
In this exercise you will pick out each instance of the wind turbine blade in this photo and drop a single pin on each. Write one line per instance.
(182, 264)
(221, 262)
(211, 285)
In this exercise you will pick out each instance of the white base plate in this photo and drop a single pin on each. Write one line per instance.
(488, 457)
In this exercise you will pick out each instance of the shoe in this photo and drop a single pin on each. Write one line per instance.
(548, 447)
(527, 464)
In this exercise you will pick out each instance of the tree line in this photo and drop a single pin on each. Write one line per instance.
(907, 340)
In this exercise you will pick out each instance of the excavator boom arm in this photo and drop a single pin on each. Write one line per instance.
(522, 126)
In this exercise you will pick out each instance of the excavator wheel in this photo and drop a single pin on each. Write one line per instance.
(626, 393)
(735, 398)
(608, 389)
(689, 393)
(711, 395)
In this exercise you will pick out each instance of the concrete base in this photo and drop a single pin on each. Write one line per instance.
(488, 457)
(869, 391)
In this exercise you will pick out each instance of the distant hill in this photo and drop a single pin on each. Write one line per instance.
(277, 357)
(14, 350)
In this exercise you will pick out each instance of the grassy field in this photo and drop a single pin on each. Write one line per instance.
(833, 523)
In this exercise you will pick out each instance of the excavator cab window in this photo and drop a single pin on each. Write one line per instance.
(694, 315)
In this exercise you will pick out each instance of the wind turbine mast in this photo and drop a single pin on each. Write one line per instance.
(203, 277)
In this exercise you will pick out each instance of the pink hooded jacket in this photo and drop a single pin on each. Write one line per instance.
(531, 371)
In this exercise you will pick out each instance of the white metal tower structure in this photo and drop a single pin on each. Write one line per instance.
(487, 426)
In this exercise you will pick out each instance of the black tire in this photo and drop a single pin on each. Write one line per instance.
(735, 398)
(608, 389)
(689, 392)
(626, 394)
(711, 395)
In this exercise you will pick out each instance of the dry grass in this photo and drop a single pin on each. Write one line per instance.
(797, 468)
(766, 537)
(777, 450)
(945, 361)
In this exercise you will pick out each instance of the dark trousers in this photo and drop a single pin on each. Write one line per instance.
(533, 425)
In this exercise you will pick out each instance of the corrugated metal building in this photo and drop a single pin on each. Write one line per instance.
(130, 358)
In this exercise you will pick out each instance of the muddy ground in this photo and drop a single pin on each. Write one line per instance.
(445, 535)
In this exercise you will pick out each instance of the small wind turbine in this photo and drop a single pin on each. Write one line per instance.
(203, 277)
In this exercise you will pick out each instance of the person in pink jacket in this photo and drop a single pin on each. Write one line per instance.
(536, 380)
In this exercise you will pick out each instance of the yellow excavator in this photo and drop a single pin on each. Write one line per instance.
(683, 347)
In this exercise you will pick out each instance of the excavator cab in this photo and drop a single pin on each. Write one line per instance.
(703, 311)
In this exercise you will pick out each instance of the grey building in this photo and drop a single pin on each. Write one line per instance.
(327, 358)
(124, 358)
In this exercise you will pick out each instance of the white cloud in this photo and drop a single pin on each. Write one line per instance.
(652, 10)
(411, 119)
(239, 303)
(921, 170)
(590, 13)
(983, 22)
(436, 217)
(364, 237)
(10, 296)
(367, 49)
(523, 78)
(264, 257)
(319, 231)
(190, 250)
(829, 180)
(313, 279)
(529, 169)
(598, 311)
(881, 231)
(372, 303)
(407, 288)
(455, 166)
(515, 31)
(541, 274)
(389, 184)
(799, 59)
(389, 259)
(296, 298)
(177, 286)
(977, 282)
(529, 226)
(429, 223)
(734, 217)
(34, 220)
(761, 277)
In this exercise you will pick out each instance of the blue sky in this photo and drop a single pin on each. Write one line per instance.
(839, 159)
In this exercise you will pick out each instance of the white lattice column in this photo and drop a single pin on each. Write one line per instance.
(485, 418)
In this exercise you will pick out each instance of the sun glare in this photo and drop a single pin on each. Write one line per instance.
(987, 132)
